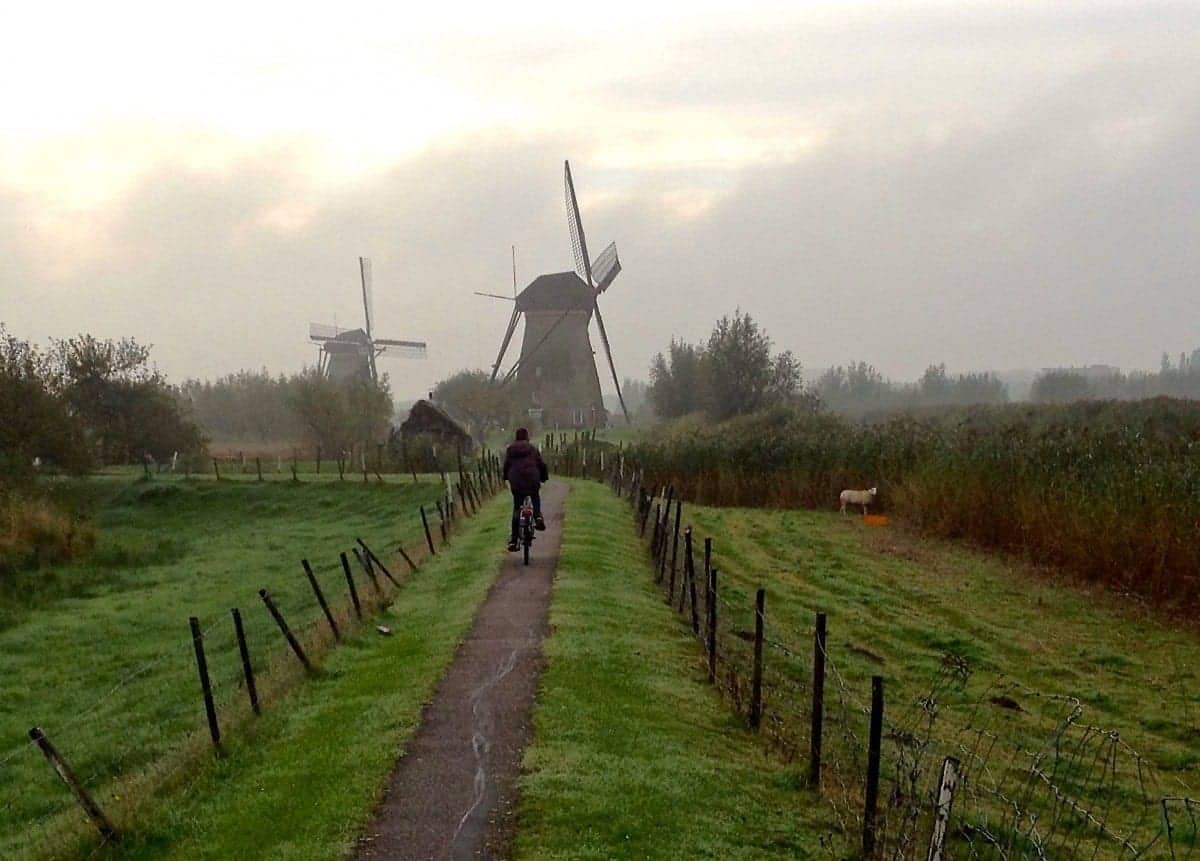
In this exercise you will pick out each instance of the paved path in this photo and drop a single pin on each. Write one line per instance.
(453, 793)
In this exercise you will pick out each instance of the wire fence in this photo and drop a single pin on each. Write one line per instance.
(958, 764)
(117, 762)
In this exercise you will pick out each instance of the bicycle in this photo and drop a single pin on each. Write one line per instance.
(526, 527)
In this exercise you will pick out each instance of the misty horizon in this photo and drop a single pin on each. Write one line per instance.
(986, 186)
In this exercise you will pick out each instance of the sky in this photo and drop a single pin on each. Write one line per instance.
(993, 185)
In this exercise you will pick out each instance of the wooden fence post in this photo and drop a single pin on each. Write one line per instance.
(412, 565)
(690, 564)
(318, 460)
(376, 561)
(247, 667)
(210, 708)
(365, 564)
(712, 625)
(675, 548)
(316, 587)
(428, 535)
(818, 704)
(258, 467)
(947, 784)
(67, 776)
(287, 632)
(756, 684)
(350, 585)
(441, 520)
(874, 745)
(217, 468)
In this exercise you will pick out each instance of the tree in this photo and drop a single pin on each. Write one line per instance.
(678, 381)
(37, 420)
(742, 376)
(341, 414)
(1060, 387)
(475, 399)
(124, 403)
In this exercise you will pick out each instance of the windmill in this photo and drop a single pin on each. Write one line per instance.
(557, 366)
(351, 353)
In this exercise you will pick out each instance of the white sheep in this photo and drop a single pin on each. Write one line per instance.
(858, 497)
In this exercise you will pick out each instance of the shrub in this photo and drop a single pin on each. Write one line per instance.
(34, 532)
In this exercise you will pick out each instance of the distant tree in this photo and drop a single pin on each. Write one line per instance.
(742, 375)
(1060, 387)
(37, 421)
(245, 406)
(474, 398)
(637, 400)
(678, 382)
(342, 414)
(125, 404)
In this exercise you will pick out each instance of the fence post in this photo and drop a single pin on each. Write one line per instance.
(350, 584)
(947, 784)
(655, 537)
(217, 468)
(675, 548)
(756, 685)
(64, 772)
(712, 625)
(210, 708)
(316, 587)
(412, 565)
(258, 467)
(287, 632)
(690, 565)
(318, 460)
(376, 561)
(365, 564)
(818, 704)
(441, 520)
(662, 543)
(874, 743)
(247, 668)
(428, 536)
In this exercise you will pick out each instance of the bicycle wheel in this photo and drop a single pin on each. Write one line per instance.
(526, 544)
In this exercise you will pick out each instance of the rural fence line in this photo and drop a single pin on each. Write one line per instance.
(1003, 773)
(228, 692)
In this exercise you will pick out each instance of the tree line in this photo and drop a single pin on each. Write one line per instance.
(83, 401)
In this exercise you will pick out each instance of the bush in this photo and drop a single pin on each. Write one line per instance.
(1108, 489)
(34, 532)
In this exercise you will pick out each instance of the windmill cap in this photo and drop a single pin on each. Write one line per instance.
(560, 291)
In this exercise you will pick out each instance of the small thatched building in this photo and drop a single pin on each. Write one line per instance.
(426, 419)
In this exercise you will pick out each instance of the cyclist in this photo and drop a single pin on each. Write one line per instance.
(524, 470)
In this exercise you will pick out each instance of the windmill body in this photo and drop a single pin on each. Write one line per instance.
(557, 369)
(350, 354)
(556, 373)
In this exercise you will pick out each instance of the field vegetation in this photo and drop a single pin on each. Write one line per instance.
(1109, 490)
(97, 651)
(1073, 711)
(633, 755)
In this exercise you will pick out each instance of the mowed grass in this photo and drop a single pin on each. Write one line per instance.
(303, 781)
(634, 756)
(898, 605)
(99, 653)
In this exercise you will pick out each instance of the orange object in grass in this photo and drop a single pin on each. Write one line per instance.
(875, 519)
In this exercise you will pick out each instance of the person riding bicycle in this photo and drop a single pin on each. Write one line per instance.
(524, 470)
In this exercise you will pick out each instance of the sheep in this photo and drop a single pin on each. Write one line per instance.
(858, 497)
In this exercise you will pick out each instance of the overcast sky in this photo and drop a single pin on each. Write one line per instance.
(989, 184)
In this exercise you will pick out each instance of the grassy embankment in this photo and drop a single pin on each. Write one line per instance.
(634, 755)
(899, 604)
(98, 652)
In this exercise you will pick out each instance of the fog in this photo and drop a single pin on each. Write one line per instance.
(986, 185)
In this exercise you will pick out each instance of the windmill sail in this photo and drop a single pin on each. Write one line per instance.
(606, 267)
(583, 268)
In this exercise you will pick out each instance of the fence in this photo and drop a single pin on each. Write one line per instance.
(238, 665)
(982, 770)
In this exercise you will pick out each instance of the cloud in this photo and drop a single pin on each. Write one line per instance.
(1037, 207)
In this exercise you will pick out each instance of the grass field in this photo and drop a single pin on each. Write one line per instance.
(301, 785)
(99, 654)
(898, 606)
(634, 756)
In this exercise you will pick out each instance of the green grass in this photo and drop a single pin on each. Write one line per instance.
(897, 604)
(301, 784)
(634, 756)
(98, 652)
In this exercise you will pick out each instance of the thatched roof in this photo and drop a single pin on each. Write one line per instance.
(426, 417)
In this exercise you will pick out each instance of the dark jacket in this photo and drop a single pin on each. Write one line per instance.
(524, 468)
